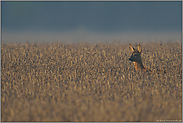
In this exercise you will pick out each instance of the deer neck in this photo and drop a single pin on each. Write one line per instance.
(138, 66)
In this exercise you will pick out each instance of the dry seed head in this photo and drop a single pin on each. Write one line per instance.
(68, 76)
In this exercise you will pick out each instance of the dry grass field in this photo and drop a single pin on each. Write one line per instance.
(90, 82)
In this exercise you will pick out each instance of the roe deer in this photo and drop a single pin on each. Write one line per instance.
(136, 59)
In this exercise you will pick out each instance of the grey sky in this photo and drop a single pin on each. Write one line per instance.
(93, 17)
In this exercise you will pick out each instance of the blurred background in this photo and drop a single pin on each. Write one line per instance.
(92, 22)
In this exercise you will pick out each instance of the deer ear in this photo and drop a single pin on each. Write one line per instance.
(131, 48)
(139, 48)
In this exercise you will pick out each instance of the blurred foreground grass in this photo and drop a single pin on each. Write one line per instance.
(90, 82)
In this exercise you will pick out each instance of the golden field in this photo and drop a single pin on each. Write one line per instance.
(90, 82)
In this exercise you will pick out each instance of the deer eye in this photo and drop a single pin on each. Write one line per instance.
(135, 55)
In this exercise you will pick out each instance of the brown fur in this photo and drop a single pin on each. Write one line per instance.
(136, 59)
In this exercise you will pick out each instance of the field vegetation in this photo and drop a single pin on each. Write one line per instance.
(90, 82)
